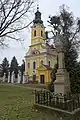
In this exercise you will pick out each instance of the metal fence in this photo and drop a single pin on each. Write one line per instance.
(66, 102)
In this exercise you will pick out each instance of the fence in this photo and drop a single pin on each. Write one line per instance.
(66, 102)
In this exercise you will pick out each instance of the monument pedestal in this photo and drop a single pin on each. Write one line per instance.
(62, 83)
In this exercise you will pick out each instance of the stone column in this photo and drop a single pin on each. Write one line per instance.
(19, 77)
(12, 77)
(4, 77)
(8, 77)
(62, 82)
(61, 63)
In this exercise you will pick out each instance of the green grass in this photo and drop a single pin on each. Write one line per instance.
(16, 103)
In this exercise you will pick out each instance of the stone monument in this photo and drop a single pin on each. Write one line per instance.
(62, 83)
(8, 77)
(19, 76)
(24, 78)
(12, 77)
(4, 77)
(27, 80)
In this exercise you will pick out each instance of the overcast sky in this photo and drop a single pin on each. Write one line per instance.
(47, 7)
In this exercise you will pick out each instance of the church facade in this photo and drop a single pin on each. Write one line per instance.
(41, 57)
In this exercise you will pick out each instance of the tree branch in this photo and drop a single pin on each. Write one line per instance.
(15, 30)
(11, 13)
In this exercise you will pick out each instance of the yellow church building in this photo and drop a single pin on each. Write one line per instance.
(41, 57)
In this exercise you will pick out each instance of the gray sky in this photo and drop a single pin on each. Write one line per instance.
(47, 7)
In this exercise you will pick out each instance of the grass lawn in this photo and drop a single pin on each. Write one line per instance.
(43, 86)
(16, 103)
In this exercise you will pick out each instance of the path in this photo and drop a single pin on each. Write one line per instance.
(27, 87)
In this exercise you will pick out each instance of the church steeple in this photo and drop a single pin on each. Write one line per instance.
(37, 17)
(38, 29)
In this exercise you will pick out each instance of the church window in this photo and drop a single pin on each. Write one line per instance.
(28, 65)
(49, 63)
(34, 33)
(41, 33)
(34, 65)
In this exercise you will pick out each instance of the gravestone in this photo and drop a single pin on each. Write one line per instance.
(4, 77)
(12, 77)
(24, 78)
(19, 76)
(8, 77)
(27, 79)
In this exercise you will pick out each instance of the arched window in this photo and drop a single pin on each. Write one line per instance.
(28, 65)
(34, 65)
(34, 33)
(41, 33)
(49, 63)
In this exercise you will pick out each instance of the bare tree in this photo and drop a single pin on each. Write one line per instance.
(14, 18)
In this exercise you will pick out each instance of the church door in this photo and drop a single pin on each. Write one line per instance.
(42, 79)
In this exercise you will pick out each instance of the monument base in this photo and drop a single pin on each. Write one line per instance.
(62, 84)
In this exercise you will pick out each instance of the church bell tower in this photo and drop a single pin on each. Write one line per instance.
(37, 30)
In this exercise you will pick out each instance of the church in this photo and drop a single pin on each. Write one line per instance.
(41, 57)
